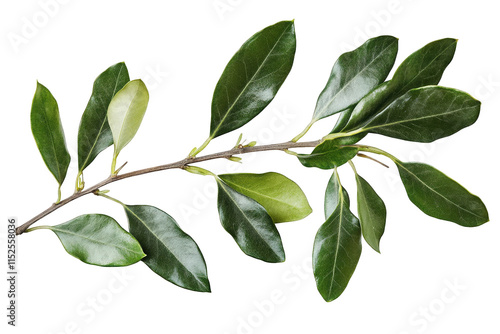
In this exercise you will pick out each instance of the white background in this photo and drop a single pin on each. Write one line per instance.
(180, 48)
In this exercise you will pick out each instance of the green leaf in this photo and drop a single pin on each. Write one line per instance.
(171, 253)
(372, 213)
(282, 198)
(426, 114)
(441, 197)
(99, 240)
(94, 134)
(355, 74)
(425, 66)
(49, 134)
(337, 249)
(328, 155)
(125, 112)
(249, 224)
(368, 106)
(343, 119)
(252, 77)
(332, 195)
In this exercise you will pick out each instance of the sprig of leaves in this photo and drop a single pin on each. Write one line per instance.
(409, 106)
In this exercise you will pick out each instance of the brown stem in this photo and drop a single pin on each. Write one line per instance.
(179, 164)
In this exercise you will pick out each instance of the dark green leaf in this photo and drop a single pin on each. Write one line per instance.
(249, 224)
(171, 253)
(372, 213)
(332, 193)
(343, 119)
(94, 134)
(252, 77)
(426, 114)
(126, 111)
(337, 249)
(339, 126)
(368, 106)
(49, 134)
(328, 155)
(425, 66)
(441, 197)
(99, 240)
(355, 74)
(282, 198)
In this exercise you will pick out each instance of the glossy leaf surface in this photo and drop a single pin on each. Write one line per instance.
(99, 240)
(355, 74)
(332, 195)
(249, 224)
(126, 111)
(441, 197)
(368, 106)
(171, 253)
(426, 114)
(422, 68)
(425, 66)
(252, 77)
(282, 198)
(328, 155)
(48, 133)
(372, 213)
(94, 134)
(337, 249)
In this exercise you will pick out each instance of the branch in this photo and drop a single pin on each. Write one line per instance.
(179, 164)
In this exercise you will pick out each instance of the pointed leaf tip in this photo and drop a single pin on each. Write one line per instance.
(249, 224)
(252, 77)
(99, 240)
(171, 253)
(48, 132)
(94, 133)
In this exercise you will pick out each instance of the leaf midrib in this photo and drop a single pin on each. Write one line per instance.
(434, 191)
(248, 83)
(415, 119)
(339, 217)
(166, 247)
(84, 165)
(320, 113)
(53, 228)
(402, 89)
(248, 219)
(263, 195)
(52, 141)
(125, 117)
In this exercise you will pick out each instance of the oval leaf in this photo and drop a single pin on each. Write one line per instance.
(337, 249)
(94, 134)
(126, 111)
(424, 67)
(282, 198)
(252, 77)
(372, 213)
(99, 240)
(426, 114)
(328, 155)
(355, 74)
(249, 224)
(49, 134)
(441, 197)
(171, 253)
